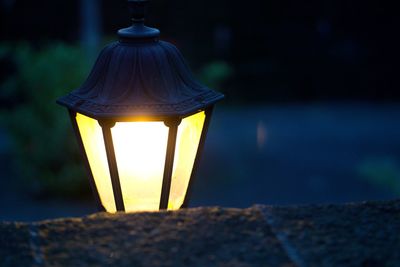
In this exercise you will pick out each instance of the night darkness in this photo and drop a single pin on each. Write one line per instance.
(279, 50)
(311, 113)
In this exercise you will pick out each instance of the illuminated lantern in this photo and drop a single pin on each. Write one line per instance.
(141, 120)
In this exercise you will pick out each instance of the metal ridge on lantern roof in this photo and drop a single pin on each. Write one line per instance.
(140, 76)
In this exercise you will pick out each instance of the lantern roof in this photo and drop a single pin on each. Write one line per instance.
(139, 75)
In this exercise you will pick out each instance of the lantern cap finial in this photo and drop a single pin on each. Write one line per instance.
(137, 9)
(138, 30)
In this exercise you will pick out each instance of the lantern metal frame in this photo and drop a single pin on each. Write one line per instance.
(140, 78)
(172, 124)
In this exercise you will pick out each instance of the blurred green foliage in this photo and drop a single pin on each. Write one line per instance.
(44, 153)
(384, 172)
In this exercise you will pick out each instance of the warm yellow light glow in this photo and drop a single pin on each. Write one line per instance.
(92, 138)
(140, 150)
(188, 139)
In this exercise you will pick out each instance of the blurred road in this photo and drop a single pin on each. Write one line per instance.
(298, 154)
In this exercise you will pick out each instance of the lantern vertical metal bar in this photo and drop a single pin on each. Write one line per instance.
(169, 163)
(92, 183)
(208, 112)
(112, 164)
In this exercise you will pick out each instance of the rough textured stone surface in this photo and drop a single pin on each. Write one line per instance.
(365, 234)
(15, 249)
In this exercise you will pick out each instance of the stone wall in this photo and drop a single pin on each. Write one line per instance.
(364, 234)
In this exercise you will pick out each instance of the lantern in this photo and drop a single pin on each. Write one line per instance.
(141, 120)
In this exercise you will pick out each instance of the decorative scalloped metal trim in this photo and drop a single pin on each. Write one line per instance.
(183, 108)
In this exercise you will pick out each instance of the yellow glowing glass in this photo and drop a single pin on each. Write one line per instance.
(93, 142)
(140, 151)
(187, 143)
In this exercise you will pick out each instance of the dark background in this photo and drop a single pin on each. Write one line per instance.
(311, 113)
(280, 50)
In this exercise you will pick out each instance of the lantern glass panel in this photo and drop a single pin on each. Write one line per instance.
(187, 143)
(93, 142)
(140, 151)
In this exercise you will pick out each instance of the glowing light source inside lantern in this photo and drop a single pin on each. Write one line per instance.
(140, 151)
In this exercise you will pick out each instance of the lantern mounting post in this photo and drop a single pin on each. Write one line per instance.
(137, 9)
(138, 30)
